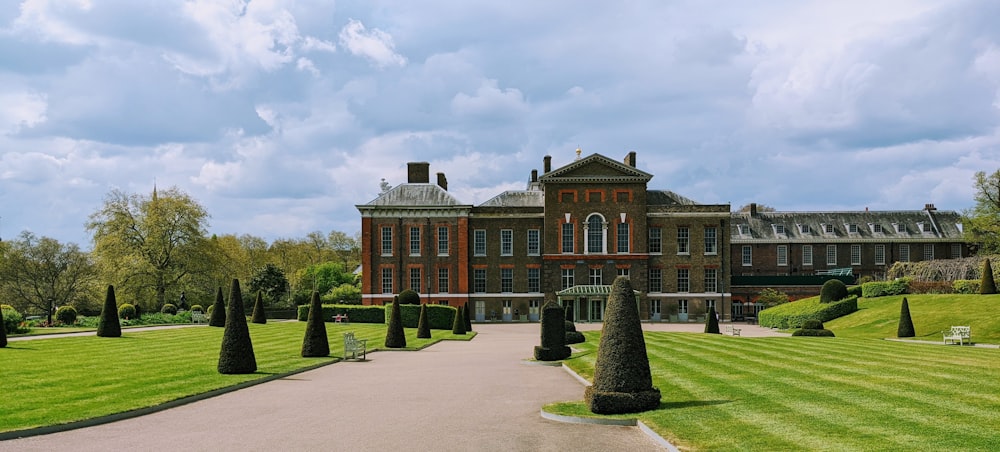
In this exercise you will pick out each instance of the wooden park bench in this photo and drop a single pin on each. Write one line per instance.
(354, 345)
(962, 334)
(733, 331)
(198, 317)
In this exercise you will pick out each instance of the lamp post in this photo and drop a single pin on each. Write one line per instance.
(51, 304)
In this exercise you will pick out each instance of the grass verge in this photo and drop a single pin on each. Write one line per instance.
(878, 318)
(60, 380)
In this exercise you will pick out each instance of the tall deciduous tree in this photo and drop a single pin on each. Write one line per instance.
(42, 273)
(161, 237)
(271, 281)
(982, 222)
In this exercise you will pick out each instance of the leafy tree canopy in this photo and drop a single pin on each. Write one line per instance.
(982, 222)
(270, 281)
(41, 273)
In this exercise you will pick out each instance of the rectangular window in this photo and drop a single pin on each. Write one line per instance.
(710, 304)
(828, 228)
(414, 241)
(568, 278)
(623, 236)
(479, 280)
(682, 306)
(656, 280)
(623, 271)
(443, 302)
(925, 227)
(879, 254)
(387, 280)
(683, 280)
(534, 280)
(928, 251)
(711, 243)
(654, 307)
(415, 279)
(804, 228)
(567, 238)
(443, 281)
(852, 228)
(683, 240)
(655, 240)
(506, 242)
(534, 242)
(779, 229)
(534, 307)
(877, 228)
(711, 280)
(443, 243)
(956, 250)
(747, 255)
(855, 254)
(904, 253)
(831, 255)
(479, 242)
(507, 280)
(506, 305)
(807, 255)
(899, 227)
(596, 277)
(782, 255)
(386, 241)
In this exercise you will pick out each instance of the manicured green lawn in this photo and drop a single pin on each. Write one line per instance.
(808, 393)
(53, 381)
(878, 318)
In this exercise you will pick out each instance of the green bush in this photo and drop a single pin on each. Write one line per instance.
(316, 343)
(812, 324)
(877, 289)
(553, 327)
(355, 313)
(575, 337)
(458, 324)
(988, 285)
(3, 330)
(832, 290)
(966, 286)
(569, 325)
(197, 307)
(905, 327)
(712, 322)
(468, 317)
(66, 315)
(259, 316)
(854, 291)
(441, 317)
(791, 315)
(168, 309)
(772, 297)
(395, 336)
(818, 333)
(423, 325)
(409, 296)
(12, 321)
(236, 355)
(217, 312)
(126, 311)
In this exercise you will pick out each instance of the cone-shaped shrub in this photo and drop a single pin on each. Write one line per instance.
(987, 285)
(468, 318)
(218, 315)
(258, 310)
(236, 356)
(316, 343)
(553, 346)
(458, 324)
(623, 382)
(712, 322)
(423, 326)
(3, 331)
(395, 337)
(905, 328)
(108, 324)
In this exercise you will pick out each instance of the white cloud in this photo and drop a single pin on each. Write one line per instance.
(20, 110)
(490, 100)
(42, 18)
(376, 45)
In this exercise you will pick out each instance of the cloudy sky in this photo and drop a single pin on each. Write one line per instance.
(281, 116)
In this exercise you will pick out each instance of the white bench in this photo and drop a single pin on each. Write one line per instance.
(354, 345)
(962, 334)
(198, 317)
(733, 331)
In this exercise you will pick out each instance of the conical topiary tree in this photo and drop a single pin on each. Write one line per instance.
(218, 315)
(108, 324)
(553, 346)
(458, 323)
(3, 331)
(316, 343)
(423, 326)
(987, 285)
(395, 337)
(468, 318)
(258, 310)
(623, 382)
(236, 356)
(712, 322)
(905, 328)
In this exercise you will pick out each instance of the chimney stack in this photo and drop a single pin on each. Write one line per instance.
(929, 207)
(547, 164)
(753, 209)
(442, 181)
(630, 159)
(534, 175)
(418, 172)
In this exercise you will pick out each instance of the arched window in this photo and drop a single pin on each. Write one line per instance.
(595, 234)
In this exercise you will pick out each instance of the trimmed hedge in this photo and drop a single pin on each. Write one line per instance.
(108, 324)
(441, 317)
(168, 309)
(817, 333)
(236, 355)
(987, 286)
(458, 324)
(12, 321)
(854, 291)
(832, 290)
(905, 328)
(3, 331)
(409, 296)
(792, 315)
(126, 311)
(66, 315)
(355, 313)
(423, 325)
(877, 289)
(966, 286)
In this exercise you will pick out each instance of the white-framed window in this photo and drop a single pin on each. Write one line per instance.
(828, 228)
(711, 240)
(568, 278)
(506, 242)
(683, 280)
(534, 306)
(743, 229)
(414, 241)
(443, 302)
(506, 280)
(386, 241)
(443, 242)
(711, 280)
(534, 280)
(879, 254)
(443, 280)
(479, 280)
(852, 228)
(479, 242)
(415, 279)
(928, 251)
(747, 255)
(534, 242)
(506, 306)
(831, 255)
(855, 254)
(623, 238)
(779, 229)
(807, 255)
(567, 238)
(595, 234)
(877, 228)
(623, 271)
(925, 227)
(904, 253)
(899, 227)
(656, 280)
(803, 228)
(683, 240)
(956, 250)
(682, 306)
(596, 276)
(655, 240)
(782, 252)
(386, 280)
(654, 306)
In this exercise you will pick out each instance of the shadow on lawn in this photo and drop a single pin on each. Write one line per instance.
(691, 403)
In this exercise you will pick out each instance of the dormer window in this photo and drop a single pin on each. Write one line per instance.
(852, 228)
(743, 228)
(875, 227)
(924, 227)
(899, 227)
(827, 228)
(803, 228)
(779, 229)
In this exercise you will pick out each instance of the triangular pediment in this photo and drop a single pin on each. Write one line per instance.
(596, 168)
